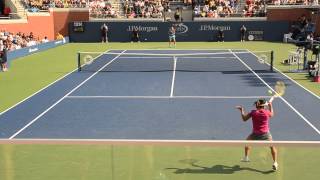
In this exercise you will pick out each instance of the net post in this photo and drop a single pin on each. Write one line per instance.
(272, 59)
(78, 61)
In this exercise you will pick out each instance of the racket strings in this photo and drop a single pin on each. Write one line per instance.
(280, 88)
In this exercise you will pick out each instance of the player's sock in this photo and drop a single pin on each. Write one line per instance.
(245, 159)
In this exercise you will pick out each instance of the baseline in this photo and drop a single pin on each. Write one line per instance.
(162, 142)
(165, 97)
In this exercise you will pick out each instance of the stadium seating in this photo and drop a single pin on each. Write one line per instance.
(156, 8)
(144, 8)
(216, 8)
(102, 9)
(18, 40)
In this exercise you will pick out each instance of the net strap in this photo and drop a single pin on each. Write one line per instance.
(176, 54)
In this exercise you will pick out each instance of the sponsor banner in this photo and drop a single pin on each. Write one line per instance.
(36, 48)
(78, 26)
(142, 28)
(255, 35)
(185, 31)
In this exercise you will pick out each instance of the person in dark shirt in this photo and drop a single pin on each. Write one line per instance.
(177, 15)
(3, 59)
(135, 36)
(220, 35)
(2, 7)
(104, 33)
(303, 21)
(243, 31)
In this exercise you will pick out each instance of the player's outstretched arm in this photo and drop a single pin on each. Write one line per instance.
(270, 109)
(245, 116)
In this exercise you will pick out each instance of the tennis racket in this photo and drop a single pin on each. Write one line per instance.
(279, 90)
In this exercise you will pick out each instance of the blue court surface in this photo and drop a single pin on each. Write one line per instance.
(162, 97)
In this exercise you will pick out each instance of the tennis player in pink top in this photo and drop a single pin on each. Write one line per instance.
(260, 127)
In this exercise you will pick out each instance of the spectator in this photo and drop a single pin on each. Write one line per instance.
(145, 8)
(220, 35)
(210, 13)
(187, 2)
(44, 5)
(243, 31)
(303, 21)
(135, 36)
(177, 15)
(59, 36)
(315, 2)
(3, 56)
(45, 40)
(103, 8)
(31, 36)
(217, 8)
(10, 41)
(7, 11)
(197, 11)
(104, 33)
(16, 41)
(2, 5)
(312, 68)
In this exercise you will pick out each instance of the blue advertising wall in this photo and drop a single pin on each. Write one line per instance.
(186, 31)
(34, 49)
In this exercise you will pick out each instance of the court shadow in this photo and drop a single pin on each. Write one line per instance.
(216, 169)
(248, 72)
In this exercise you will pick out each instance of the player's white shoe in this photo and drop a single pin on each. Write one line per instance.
(275, 166)
(245, 159)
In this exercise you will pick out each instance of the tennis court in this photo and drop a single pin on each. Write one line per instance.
(162, 95)
(107, 120)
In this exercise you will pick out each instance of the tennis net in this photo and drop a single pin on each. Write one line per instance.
(227, 61)
(154, 159)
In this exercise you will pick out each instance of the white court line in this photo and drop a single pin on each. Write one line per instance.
(318, 97)
(175, 49)
(217, 54)
(77, 69)
(166, 97)
(38, 91)
(162, 142)
(161, 57)
(173, 75)
(144, 57)
(61, 99)
(45, 87)
(284, 100)
(218, 57)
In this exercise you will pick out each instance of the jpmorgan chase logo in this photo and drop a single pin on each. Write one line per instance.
(143, 28)
(209, 27)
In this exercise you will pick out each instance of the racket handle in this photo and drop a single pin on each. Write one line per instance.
(271, 99)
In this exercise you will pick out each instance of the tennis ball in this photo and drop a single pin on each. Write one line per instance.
(270, 92)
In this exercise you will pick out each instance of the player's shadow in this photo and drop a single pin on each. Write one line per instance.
(216, 169)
